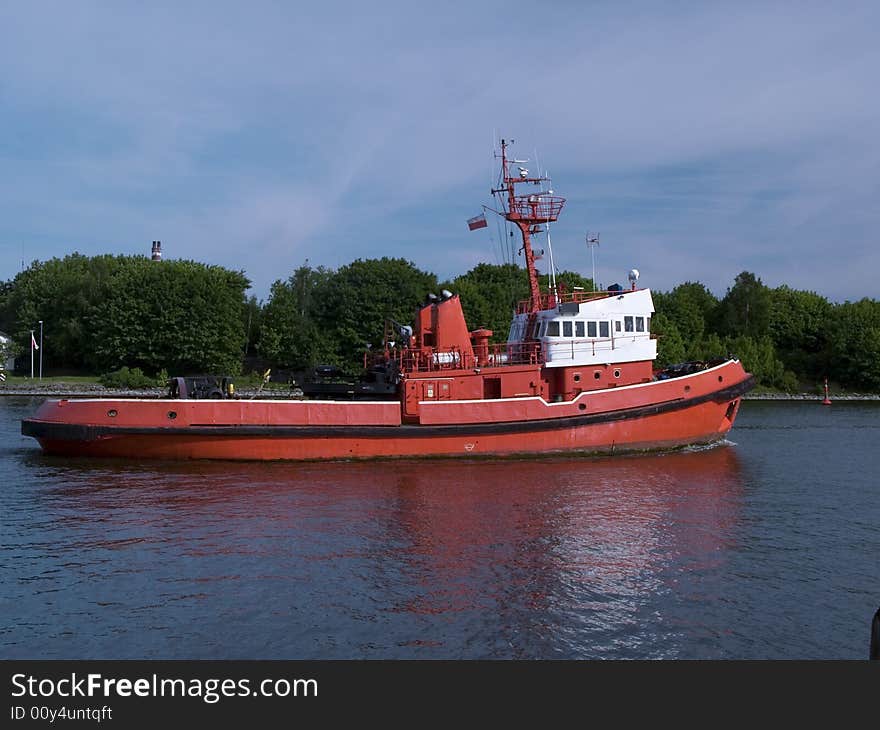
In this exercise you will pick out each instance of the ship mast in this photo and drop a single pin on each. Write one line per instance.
(527, 212)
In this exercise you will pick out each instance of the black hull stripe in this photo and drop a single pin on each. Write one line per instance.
(77, 432)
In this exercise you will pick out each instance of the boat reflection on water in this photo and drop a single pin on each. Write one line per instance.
(525, 557)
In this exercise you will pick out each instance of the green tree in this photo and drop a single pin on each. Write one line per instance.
(489, 294)
(712, 347)
(690, 307)
(62, 293)
(670, 344)
(183, 316)
(800, 322)
(567, 280)
(745, 309)
(6, 320)
(291, 335)
(251, 319)
(855, 344)
(359, 297)
(758, 356)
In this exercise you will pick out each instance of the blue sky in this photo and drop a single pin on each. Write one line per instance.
(700, 139)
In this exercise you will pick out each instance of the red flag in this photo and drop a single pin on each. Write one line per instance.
(477, 222)
(34, 344)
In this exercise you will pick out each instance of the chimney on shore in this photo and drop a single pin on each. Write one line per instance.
(157, 251)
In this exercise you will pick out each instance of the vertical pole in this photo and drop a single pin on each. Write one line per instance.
(32, 354)
(593, 260)
(592, 242)
(41, 350)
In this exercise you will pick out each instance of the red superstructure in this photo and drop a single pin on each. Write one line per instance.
(575, 375)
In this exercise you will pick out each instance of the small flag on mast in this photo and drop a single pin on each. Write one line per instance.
(34, 344)
(476, 222)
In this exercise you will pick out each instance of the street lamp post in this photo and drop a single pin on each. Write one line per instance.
(41, 350)
(32, 354)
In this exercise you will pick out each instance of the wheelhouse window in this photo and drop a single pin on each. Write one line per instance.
(628, 324)
(553, 329)
(591, 329)
(566, 328)
(578, 329)
(617, 325)
(604, 329)
(640, 324)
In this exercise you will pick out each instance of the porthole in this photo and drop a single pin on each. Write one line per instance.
(172, 415)
(582, 406)
(577, 377)
(720, 378)
(616, 372)
(597, 374)
(112, 413)
(687, 389)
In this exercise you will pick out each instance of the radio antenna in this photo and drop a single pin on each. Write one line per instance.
(592, 243)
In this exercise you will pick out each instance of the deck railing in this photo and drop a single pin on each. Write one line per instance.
(551, 301)
(453, 358)
(541, 208)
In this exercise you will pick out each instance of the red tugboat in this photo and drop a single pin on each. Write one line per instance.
(575, 375)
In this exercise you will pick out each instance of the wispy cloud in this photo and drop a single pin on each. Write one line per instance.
(701, 140)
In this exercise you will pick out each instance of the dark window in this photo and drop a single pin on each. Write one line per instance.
(566, 328)
(553, 329)
(628, 324)
(579, 329)
(640, 324)
(617, 326)
(649, 324)
(591, 329)
(604, 329)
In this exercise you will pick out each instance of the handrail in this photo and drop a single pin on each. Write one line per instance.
(551, 301)
(452, 358)
(536, 208)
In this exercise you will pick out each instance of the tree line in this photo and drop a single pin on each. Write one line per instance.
(106, 312)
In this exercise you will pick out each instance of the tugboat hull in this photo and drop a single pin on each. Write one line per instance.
(315, 430)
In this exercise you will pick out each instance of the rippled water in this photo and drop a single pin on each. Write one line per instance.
(766, 547)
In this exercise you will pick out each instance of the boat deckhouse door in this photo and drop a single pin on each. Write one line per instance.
(422, 390)
(437, 389)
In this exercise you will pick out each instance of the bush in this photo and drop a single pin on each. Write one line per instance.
(134, 378)
(790, 382)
